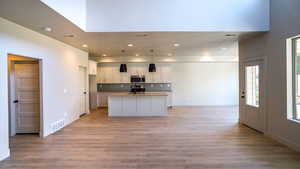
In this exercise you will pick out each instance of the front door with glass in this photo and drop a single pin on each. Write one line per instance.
(253, 115)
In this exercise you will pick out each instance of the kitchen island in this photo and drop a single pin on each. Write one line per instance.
(126, 104)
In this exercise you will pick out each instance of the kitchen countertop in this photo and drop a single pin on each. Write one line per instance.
(139, 94)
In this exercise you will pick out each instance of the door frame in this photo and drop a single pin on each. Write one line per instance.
(263, 91)
(87, 111)
(12, 90)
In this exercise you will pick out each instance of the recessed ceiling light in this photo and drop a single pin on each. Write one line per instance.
(224, 48)
(176, 44)
(85, 45)
(130, 45)
(169, 54)
(47, 29)
(104, 55)
(137, 54)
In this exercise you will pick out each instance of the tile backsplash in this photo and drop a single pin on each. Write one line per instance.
(125, 87)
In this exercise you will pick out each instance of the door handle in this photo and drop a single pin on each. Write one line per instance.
(84, 92)
(16, 101)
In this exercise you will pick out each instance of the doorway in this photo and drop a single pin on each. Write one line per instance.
(83, 90)
(24, 95)
(252, 111)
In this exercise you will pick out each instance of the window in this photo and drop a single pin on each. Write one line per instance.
(296, 78)
(252, 85)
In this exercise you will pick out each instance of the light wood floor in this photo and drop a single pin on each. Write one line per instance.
(190, 138)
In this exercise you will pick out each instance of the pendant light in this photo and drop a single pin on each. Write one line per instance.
(123, 68)
(152, 67)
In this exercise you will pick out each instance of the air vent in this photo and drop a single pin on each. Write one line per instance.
(56, 126)
(230, 35)
(69, 36)
(142, 35)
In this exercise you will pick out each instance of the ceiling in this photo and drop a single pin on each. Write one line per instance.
(35, 15)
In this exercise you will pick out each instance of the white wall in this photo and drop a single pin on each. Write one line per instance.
(60, 64)
(73, 10)
(177, 15)
(272, 46)
(4, 131)
(165, 15)
(205, 84)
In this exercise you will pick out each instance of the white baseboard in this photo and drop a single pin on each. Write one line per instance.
(4, 155)
(186, 105)
(286, 142)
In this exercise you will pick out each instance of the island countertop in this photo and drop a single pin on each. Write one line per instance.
(138, 94)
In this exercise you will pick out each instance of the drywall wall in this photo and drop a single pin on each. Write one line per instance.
(250, 49)
(60, 66)
(4, 131)
(194, 84)
(205, 84)
(177, 15)
(284, 24)
(74, 11)
(166, 15)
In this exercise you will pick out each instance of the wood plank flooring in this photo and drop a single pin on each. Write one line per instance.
(190, 138)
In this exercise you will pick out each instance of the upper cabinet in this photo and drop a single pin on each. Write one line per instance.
(110, 73)
(165, 73)
(92, 67)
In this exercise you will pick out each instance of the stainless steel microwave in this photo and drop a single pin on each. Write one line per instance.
(137, 79)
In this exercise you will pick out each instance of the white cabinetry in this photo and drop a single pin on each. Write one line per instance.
(92, 67)
(165, 73)
(131, 106)
(110, 73)
(115, 76)
(106, 74)
(169, 99)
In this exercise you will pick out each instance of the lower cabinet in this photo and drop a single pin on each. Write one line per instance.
(102, 99)
(137, 106)
(169, 99)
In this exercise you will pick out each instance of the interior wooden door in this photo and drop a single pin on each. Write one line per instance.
(253, 96)
(27, 89)
(83, 90)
